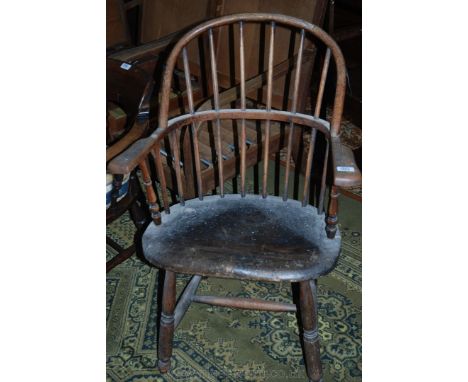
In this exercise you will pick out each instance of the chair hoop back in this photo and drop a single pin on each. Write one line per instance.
(274, 19)
(172, 132)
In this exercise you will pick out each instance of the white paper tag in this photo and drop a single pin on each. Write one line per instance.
(345, 168)
(125, 66)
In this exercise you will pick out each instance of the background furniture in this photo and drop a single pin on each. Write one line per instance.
(243, 236)
(117, 28)
(129, 90)
(345, 26)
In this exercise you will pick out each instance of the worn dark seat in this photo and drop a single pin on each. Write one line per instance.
(244, 238)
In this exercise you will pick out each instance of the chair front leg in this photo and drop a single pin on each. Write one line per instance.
(166, 327)
(308, 308)
(332, 218)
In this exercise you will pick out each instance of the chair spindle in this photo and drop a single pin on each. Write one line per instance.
(324, 178)
(323, 79)
(313, 137)
(242, 87)
(156, 152)
(266, 152)
(194, 130)
(174, 141)
(293, 110)
(214, 77)
(151, 194)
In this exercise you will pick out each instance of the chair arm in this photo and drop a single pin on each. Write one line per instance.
(136, 131)
(345, 171)
(128, 160)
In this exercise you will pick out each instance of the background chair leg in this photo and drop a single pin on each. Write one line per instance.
(166, 327)
(308, 308)
(139, 215)
(123, 254)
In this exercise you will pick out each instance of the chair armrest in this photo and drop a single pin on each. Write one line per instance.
(128, 160)
(136, 131)
(345, 171)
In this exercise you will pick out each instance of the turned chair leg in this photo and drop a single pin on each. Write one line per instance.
(166, 327)
(332, 218)
(308, 308)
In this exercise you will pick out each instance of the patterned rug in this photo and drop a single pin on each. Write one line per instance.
(223, 344)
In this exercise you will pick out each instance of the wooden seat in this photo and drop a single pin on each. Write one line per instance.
(245, 238)
(242, 236)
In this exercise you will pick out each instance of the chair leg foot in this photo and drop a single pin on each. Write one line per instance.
(164, 366)
(308, 308)
(331, 231)
(166, 327)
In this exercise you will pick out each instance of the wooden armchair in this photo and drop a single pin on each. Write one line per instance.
(250, 237)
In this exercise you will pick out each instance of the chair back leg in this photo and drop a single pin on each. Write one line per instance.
(166, 328)
(308, 308)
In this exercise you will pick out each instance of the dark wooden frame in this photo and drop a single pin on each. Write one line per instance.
(345, 171)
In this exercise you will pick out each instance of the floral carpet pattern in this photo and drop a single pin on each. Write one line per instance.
(223, 344)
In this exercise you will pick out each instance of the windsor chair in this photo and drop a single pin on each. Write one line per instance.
(244, 236)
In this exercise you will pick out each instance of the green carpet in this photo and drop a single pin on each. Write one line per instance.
(223, 344)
